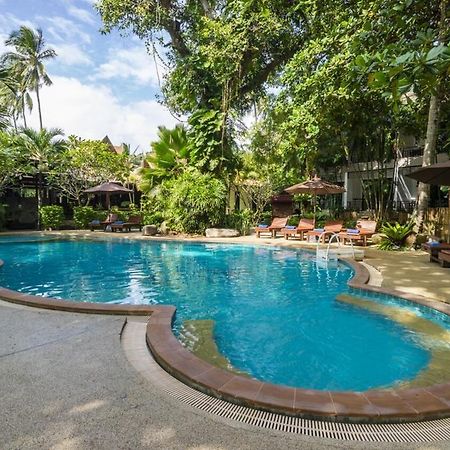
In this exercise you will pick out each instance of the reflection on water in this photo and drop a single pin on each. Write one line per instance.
(275, 310)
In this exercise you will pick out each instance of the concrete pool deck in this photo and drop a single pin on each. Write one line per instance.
(45, 330)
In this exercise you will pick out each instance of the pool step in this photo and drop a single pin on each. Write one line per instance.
(198, 337)
(433, 337)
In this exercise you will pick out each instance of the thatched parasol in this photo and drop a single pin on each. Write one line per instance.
(108, 188)
(315, 186)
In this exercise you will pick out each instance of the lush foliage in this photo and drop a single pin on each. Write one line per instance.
(85, 163)
(169, 157)
(394, 236)
(82, 215)
(191, 202)
(51, 217)
(240, 220)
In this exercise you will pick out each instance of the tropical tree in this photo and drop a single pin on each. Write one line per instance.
(9, 165)
(85, 163)
(170, 156)
(38, 151)
(221, 56)
(26, 63)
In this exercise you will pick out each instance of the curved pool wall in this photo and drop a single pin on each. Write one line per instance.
(373, 406)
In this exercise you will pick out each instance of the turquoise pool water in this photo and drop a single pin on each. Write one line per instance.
(275, 310)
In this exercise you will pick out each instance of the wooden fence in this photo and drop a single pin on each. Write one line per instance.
(437, 222)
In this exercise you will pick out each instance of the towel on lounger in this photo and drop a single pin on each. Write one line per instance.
(290, 227)
(263, 225)
(352, 231)
(319, 229)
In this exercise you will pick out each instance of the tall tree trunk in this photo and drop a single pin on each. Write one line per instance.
(39, 106)
(23, 113)
(429, 155)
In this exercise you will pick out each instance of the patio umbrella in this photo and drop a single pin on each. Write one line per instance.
(438, 174)
(108, 189)
(315, 186)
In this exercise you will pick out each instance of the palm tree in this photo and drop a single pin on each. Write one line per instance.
(27, 62)
(169, 157)
(39, 149)
(14, 98)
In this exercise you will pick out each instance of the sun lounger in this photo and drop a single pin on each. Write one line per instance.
(434, 248)
(132, 222)
(303, 226)
(111, 218)
(278, 223)
(364, 230)
(444, 258)
(328, 230)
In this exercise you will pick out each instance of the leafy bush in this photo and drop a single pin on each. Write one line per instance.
(193, 202)
(240, 220)
(294, 220)
(322, 217)
(122, 215)
(51, 216)
(151, 210)
(394, 236)
(266, 218)
(82, 215)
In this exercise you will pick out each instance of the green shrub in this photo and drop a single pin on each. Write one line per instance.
(52, 217)
(240, 220)
(294, 220)
(394, 236)
(266, 218)
(122, 215)
(151, 211)
(193, 202)
(82, 215)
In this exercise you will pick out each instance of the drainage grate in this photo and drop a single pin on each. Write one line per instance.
(135, 348)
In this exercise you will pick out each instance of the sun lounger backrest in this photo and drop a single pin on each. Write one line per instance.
(306, 223)
(368, 225)
(333, 227)
(279, 222)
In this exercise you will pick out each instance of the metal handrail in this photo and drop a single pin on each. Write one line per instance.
(333, 236)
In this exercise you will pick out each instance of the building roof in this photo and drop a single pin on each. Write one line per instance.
(119, 149)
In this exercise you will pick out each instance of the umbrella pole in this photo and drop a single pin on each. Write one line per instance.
(108, 201)
(315, 203)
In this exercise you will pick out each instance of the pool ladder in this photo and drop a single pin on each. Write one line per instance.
(325, 255)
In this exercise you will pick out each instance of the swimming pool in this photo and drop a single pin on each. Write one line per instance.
(278, 316)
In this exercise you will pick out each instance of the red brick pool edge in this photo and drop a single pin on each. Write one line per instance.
(374, 406)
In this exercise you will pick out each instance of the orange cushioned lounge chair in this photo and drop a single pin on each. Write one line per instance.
(303, 226)
(278, 223)
(364, 229)
(329, 229)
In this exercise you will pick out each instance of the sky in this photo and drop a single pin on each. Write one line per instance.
(102, 84)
